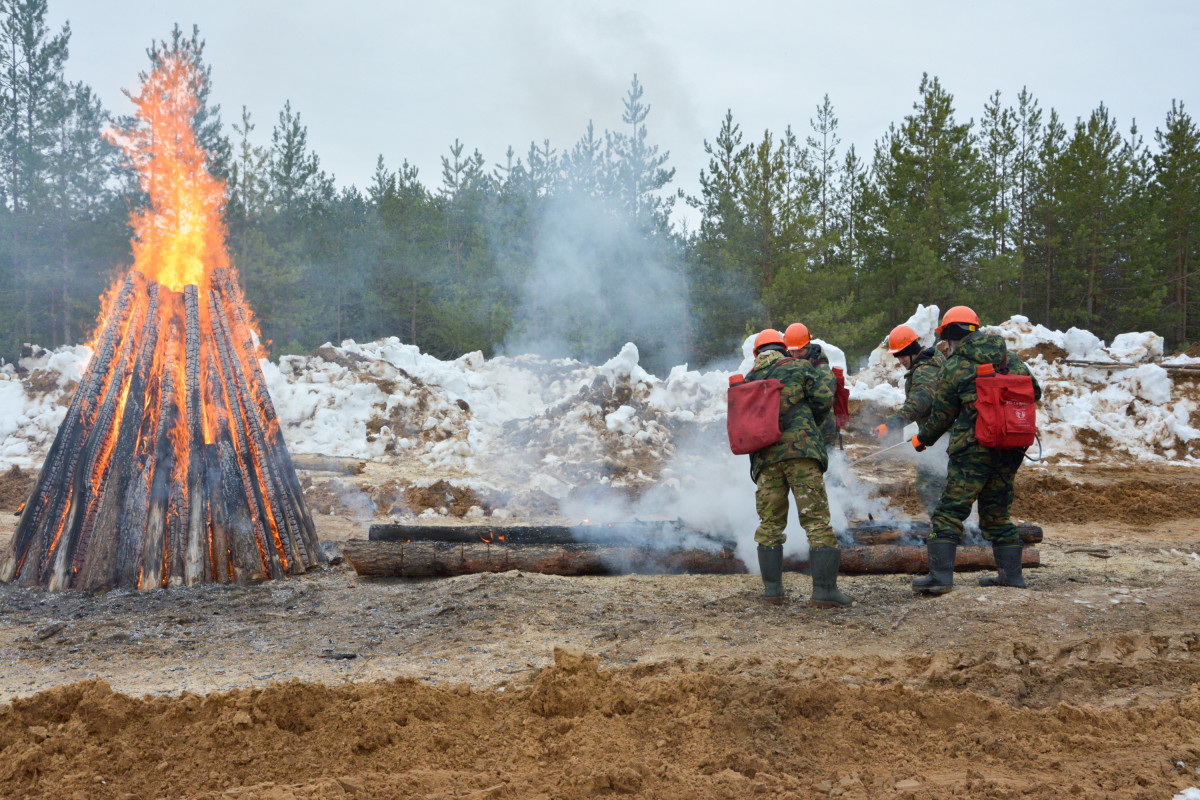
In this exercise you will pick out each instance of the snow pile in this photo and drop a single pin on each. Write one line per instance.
(33, 403)
(614, 440)
(877, 382)
(1132, 409)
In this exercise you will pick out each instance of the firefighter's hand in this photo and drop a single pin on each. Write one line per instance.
(916, 443)
(881, 431)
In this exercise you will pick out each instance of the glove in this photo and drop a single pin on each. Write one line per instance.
(881, 431)
(916, 443)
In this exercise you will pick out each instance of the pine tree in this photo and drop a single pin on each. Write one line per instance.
(823, 144)
(724, 294)
(79, 195)
(641, 172)
(249, 188)
(998, 267)
(1094, 174)
(1176, 186)
(587, 169)
(1046, 214)
(931, 194)
(1028, 117)
(297, 180)
(34, 101)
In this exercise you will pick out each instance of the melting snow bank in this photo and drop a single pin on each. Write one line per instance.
(568, 434)
(1124, 404)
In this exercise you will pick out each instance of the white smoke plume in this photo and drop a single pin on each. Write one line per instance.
(596, 284)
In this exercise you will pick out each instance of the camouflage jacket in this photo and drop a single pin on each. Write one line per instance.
(806, 397)
(828, 424)
(919, 384)
(954, 398)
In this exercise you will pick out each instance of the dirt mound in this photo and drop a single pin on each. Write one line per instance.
(15, 487)
(1047, 350)
(1050, 498)
(579, 733)
(457, 500)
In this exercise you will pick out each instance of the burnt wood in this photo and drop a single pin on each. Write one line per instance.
(911, 532)
(635, 533)
(239, 329)
(441, 559)
(382, 559)
(639, 532)
(169, 467)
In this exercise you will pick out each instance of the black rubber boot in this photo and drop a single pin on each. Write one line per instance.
(941, 568)
(824, 563)
(770, 563)
(1008, 567)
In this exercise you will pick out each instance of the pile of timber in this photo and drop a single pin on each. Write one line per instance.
(131, 494)
(427, 551)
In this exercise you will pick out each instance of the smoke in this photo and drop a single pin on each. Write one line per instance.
(597, 283)
(709, 490)
(851, 500)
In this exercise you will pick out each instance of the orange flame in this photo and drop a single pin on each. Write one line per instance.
(180, 237)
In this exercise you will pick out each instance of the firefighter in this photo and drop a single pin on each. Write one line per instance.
(975, 472)
(800, 345)
(796, 462)
(920, 380)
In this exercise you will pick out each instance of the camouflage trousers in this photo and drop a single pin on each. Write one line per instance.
(984, 475)
(929, 485)
(806, 481)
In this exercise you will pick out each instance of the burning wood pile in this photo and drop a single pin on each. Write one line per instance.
(170, 466)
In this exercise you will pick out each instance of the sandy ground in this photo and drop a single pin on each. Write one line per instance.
(664, 686)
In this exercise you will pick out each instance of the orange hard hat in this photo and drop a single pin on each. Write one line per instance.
(796, 336)
(961, 315)
(901, 337)
(769, 336)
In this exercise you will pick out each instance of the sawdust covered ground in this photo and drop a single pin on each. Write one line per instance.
(519, 686)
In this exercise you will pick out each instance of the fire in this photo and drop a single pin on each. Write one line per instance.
(180, 237)
(169, 466)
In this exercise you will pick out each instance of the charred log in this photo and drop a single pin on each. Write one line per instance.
(661, 534)
(238, 329)
(639, 532)
(888, 559)
(441, 559)
(906, 533)
(42, 518)
(430, 559)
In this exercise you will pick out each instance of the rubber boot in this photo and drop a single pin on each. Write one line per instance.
(1008, 568)
(824, 563)
(770, 563)
(941, 568)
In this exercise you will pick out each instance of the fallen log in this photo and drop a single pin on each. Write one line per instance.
(639, 532)
(442, 559)
(910, 532)
(906, 559)
(381, 559)
(633, 533)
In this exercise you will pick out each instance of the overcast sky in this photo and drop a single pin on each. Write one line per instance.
(406, 79)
